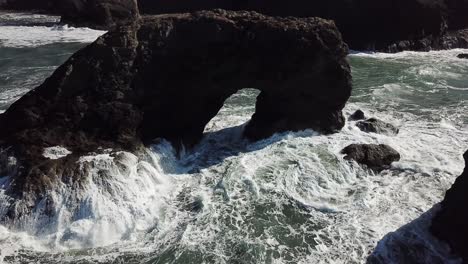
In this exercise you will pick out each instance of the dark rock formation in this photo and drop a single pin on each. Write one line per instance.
(449, 40)
(375, 125)
(358, 115)
(166, 77)
(101, 14)
(385, 25)
(451, 222)
(376, 157)
(456, 13)
(462, 56)
(366, 24)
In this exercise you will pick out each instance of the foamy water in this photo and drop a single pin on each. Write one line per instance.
(287, 199)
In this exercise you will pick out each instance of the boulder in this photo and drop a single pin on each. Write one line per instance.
(376, 157)
(358, 115)
(374, 125)
(451, 223)
(462, 56)
(166, 77)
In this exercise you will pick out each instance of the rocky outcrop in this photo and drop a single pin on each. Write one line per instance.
(451, 222)
(374, 125)
(453, 39)
(101, 14)
(166, 77)
(366, 24)
(376, 157)
(462, 56)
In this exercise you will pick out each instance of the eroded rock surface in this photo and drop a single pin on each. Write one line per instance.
(451, 222)
(166, 77)
(462, 56)
(376, 157)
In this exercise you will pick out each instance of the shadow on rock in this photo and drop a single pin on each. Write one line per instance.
(412, 243)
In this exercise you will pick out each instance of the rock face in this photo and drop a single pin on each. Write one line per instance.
(166, 77)
(462, 56)
(451, 223)
(101, 14)
(377, 157)
(375, 125)
(387, 25)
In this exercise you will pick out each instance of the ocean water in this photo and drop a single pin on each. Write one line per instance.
(291, 198)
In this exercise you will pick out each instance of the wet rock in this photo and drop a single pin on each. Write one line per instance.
(451, 223)
(358, 115)
(375, 125)
(377, 157)
(166, 77)
(462, 56)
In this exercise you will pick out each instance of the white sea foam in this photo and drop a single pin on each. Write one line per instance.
(18, 36)
(56, 152)
(291, 198)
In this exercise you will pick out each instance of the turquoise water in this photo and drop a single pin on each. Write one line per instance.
(288, 199)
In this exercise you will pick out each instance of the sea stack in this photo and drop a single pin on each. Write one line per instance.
(165, 77)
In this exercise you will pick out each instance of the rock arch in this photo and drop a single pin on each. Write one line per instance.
(166, 76)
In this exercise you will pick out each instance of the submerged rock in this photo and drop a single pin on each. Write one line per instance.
(451, 223)
(377, 157)
(462, 56)
(375, 125)
(358, 115)
(166, 77)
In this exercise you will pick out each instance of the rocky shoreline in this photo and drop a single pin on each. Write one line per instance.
(166, 75)
(388, 26)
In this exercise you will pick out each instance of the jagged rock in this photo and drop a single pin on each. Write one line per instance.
(358, 115)
(375, 125)
(166, 77)
(462, 56)
(377, 157)
(451, 223)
